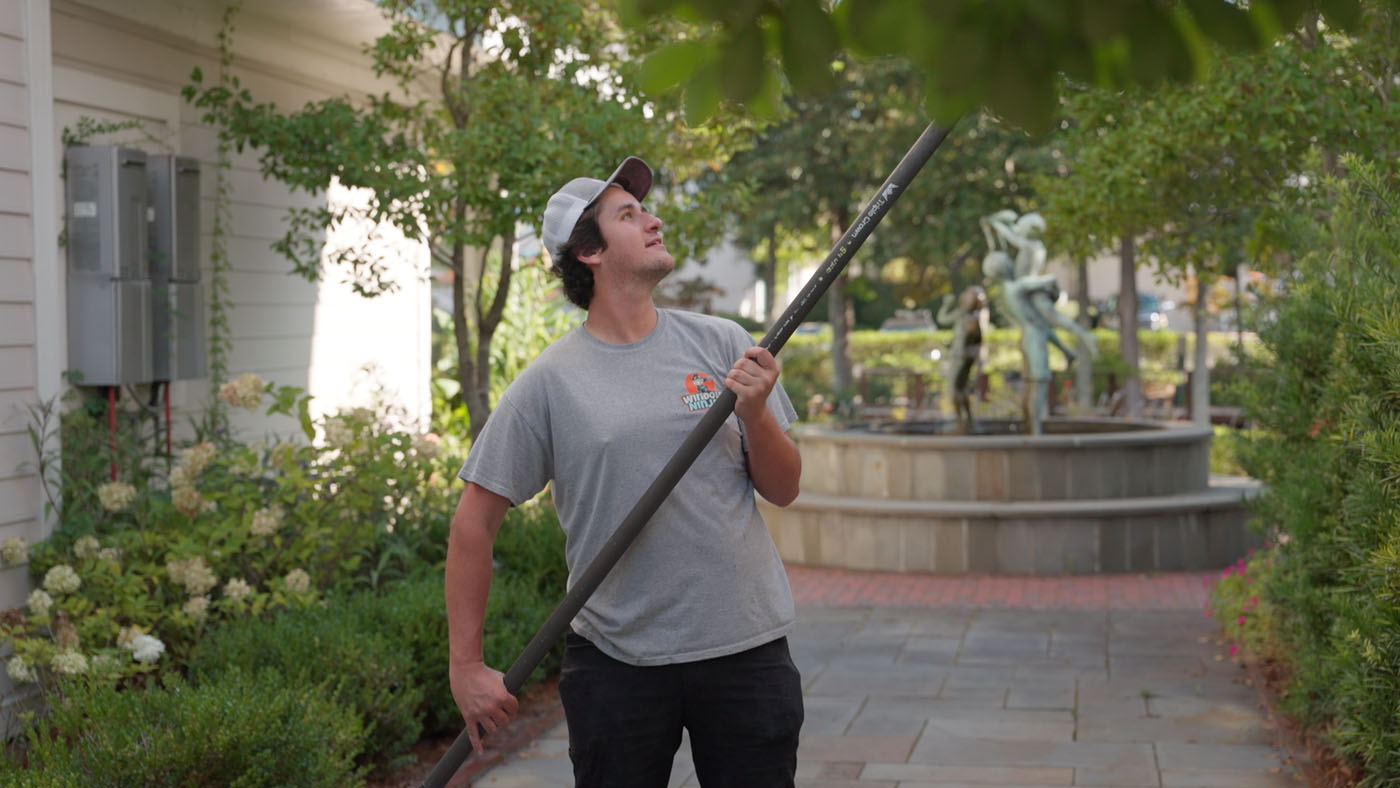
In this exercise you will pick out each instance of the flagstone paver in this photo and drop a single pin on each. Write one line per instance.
(924, 681)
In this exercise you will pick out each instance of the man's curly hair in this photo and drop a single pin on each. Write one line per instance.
(586, 239)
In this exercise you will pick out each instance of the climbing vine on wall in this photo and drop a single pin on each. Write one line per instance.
(220, 342)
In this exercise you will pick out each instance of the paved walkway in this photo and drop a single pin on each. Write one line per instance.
(917, 681)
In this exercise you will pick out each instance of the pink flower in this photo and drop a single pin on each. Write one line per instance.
(1234, 649)
(1254, 601)
(1240, 620)
(1209, 613)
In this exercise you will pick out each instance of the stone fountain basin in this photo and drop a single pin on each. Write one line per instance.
(1086, 497)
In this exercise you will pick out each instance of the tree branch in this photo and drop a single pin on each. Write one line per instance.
(492, 318)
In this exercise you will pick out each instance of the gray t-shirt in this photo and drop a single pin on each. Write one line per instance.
(703, 579)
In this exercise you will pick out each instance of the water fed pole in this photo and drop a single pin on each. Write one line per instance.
(588, 581)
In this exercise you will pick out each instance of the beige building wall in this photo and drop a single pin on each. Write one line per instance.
(63, 60)
(26, 283)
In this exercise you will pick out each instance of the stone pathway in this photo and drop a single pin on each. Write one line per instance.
(917, 681)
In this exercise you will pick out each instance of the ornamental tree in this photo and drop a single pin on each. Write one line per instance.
(1188, 170)
(494, 106)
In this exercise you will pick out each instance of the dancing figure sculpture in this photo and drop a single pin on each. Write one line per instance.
(1005, 230)
(1028, 296)
(968, 315)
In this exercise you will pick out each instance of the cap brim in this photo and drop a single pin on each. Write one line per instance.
(634, 175)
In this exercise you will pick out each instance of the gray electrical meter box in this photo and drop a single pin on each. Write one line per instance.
(106, 201)
(177, 297)
(109, 286)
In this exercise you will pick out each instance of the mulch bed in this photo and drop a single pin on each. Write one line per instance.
(539, 711)
(1309, 752)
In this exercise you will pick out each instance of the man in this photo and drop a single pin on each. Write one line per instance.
(688, 630)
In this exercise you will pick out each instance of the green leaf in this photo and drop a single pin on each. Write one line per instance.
(878, 27)
(809, 44)
(672, 64)
(767, 103)
(743, 64)
(1344, 14)
(702, 94)
(308, 428)
(1225, 23)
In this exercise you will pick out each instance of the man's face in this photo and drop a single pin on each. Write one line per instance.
(633, 237)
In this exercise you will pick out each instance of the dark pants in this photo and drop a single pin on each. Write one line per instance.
(743, 712)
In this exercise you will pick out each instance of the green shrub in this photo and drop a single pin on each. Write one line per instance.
(221, 531)
(332, 649)
(528, 583)
(412, 616)
(1327, 449)
(241, 731)
(1239, 602)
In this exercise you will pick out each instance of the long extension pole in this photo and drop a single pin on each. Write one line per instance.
(587, 582)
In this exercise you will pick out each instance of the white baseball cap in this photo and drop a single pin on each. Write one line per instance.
(568, 204)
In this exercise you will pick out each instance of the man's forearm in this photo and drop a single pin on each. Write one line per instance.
(468, 572)
(774, 462)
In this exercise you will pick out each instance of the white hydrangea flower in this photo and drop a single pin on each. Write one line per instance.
(62, 579)
(197, 608)
(126, 635)
(237, 588)
(266, 521)
(39, 602)
(70, 663)
(297, 580)
(13, 550)
(109, 554)
(19, 670)
(246, 392)
(146, 649)
(189, 502)
(197, 458)
(180, 477)
(86, 547)
(192, 573)
(116, 496)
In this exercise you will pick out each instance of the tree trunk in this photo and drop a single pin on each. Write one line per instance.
(1084, 372)
(465, 321)
(841, 314)
(1127, 325)
(1200, 367)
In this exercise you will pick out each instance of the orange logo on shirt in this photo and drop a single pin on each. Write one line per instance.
(701, 391)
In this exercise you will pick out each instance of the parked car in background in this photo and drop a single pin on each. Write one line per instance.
(1151, 312)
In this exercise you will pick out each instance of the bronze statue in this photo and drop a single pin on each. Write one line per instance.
(970, 322)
